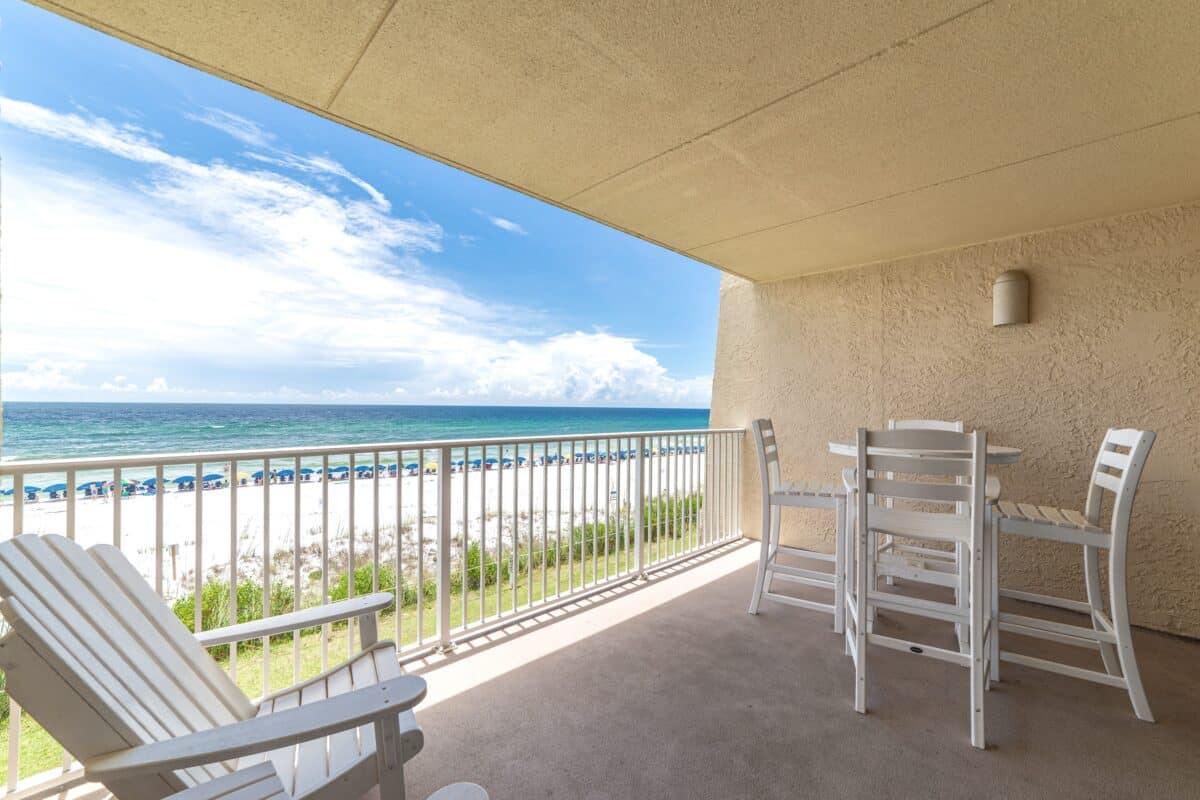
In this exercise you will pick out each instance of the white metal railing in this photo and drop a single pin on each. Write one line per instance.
(469, 534)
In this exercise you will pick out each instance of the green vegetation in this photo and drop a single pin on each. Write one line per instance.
(590, 553)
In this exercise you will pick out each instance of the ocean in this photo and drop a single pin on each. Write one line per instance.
(81, 430)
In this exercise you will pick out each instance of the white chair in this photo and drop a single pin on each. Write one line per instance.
(901, 456)
(105, 666)
(777, 494)
(1117, 469)
(261, 782)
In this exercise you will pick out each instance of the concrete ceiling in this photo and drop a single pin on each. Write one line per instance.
(770, 138)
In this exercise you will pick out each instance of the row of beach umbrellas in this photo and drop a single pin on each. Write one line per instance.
(216, 480)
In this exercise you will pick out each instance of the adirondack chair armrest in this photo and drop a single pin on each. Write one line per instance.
(366, 606)
(261, 734)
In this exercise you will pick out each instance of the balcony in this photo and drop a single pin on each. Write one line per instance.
(473, 536)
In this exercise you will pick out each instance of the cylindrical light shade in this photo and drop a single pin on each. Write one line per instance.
(1010, 298)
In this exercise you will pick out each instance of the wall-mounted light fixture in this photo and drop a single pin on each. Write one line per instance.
(1010, 298)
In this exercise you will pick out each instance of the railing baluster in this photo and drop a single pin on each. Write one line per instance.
(558, 519)
(375, 521)
(71, 478)
(420, 546)
(443, 548)
(571, 528)
(483, 456)
(233, 550)
(515, 571)
(464, 474)
(399, 541)
(266, 572)
(545, 511)
(326, 628)
(296, 479)
(529, 530)
(116, 509)
(351, 561)
(198, 550)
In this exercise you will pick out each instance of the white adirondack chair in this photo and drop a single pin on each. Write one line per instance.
(261, 782)
(1117, 470)
(101, 662)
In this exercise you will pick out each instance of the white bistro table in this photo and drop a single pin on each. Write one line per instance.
(996, 454)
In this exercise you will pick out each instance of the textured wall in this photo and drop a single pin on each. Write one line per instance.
(1114, 340)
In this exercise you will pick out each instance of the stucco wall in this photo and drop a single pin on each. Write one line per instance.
(1114, 339)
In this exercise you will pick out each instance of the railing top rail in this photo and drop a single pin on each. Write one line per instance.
(108, 462)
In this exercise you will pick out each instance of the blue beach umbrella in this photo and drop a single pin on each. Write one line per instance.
(308, 471)
(5, 492)
(214, 476)
(185, 479)
(55, 487)
(492, 461)
(413, 465)
(32, 489)
(151, 482)
(283, 473)
(475, 462)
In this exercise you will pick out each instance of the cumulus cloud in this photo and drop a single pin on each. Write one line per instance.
(253, 274)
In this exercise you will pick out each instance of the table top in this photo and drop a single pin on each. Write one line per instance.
(996, 454)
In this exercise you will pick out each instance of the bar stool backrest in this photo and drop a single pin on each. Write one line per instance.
(1118, 469)
(916, 455)
(768, 456)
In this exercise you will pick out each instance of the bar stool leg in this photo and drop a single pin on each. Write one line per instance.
(860, 622)
(994, 603)
(1120, 621)
(763, 556)
(978, 674)
(839, 567)
(1091, 573)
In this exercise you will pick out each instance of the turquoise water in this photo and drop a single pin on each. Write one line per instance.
(80, 430)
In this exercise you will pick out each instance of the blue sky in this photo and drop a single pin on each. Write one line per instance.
(169, 236)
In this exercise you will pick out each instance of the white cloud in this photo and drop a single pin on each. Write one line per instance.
(508, 225)
(207, 280)
(240, 128)
(39, 376)
(118, 384)
(502, 223)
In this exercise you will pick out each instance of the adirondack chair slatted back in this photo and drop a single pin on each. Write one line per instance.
(1118, 469)
(101, 661)
(768, 456)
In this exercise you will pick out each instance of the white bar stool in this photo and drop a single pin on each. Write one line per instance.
(776, 494)
(1118, 470)
(900, 453)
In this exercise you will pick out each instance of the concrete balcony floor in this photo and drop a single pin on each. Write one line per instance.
(670, 690)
